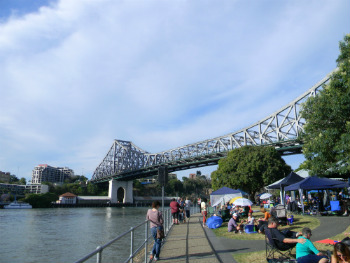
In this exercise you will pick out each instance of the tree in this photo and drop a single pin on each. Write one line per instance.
(326, 134)
(41, 200)
(174, 187)
(22, 181)
(13, 179)
(250, 168)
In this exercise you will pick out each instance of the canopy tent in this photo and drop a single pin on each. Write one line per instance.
(242, 192)
(292, 178)
(223, 195)
(315, 183)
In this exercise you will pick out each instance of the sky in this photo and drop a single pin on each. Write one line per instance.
(75, 75)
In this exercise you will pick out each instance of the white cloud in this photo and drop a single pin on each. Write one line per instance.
(78, 74)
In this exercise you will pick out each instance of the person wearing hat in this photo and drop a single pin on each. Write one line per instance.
(233, 226)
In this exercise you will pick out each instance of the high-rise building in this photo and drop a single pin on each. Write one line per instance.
(47, 173)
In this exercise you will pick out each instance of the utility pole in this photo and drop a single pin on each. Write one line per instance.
(163, 180)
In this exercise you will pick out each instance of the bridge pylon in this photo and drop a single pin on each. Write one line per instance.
(120, 191)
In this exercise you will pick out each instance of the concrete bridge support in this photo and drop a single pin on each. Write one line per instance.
(120, 191)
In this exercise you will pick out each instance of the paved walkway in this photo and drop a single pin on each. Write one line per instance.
(188, 243)
(193, 243)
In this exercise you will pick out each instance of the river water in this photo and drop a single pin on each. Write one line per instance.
(66, 234)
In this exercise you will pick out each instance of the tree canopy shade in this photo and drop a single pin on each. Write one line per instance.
(250, 168)
(327, 131)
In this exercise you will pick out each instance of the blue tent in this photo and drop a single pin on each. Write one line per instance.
(292, 178)
(316, 183)
(225, 190)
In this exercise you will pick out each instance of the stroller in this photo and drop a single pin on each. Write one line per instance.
(280, 212)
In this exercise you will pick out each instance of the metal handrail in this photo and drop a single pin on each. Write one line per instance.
(167, 227)
(98, 251)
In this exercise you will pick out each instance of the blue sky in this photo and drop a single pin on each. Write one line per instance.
(75, 75)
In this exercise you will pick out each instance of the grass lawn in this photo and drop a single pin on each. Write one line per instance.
(259, 256)
(299, 223)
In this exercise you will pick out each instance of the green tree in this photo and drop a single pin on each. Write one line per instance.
(92, 189)
(41, 200)
(173, 187)
(22, 181)
(250, 168)
(326, 134)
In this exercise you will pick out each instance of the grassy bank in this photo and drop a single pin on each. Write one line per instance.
(299, 223)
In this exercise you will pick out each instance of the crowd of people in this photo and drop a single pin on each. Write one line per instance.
(286, 239)
(180, 210)
(268, 225)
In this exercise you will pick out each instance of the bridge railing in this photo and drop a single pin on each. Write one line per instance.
(130, 233)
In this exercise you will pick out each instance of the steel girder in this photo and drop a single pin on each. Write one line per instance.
(280, 129)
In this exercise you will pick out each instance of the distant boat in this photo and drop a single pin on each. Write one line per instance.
(17, 205)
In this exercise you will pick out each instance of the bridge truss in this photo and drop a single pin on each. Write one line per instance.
(126, 161)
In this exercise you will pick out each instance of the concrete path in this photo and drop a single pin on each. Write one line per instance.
(193, 243)
(188, 243)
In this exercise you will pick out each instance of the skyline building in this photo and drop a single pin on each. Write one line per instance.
(47, 173)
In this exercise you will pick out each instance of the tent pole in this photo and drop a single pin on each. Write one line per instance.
(301, 199)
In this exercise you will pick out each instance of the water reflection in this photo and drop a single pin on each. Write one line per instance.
(64, 234)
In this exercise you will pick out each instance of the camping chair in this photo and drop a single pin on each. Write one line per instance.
(280, 212)
(273, 253)
(335, 207)
(210, 211)
(225, 214)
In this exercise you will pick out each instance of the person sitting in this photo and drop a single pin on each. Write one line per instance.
(250, 220)
(263, 220)
(307, 253)
(285, 239)
(233, 226)
(341, 253)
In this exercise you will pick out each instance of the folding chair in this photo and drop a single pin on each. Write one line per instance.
(225, 214)
(273, 253)
(210, 211)
(335, 207)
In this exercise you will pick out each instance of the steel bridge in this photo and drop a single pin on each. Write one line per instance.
(125, 161)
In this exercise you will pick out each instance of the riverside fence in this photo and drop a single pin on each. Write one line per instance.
(129, 236)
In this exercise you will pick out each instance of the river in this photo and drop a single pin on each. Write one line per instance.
(66, 234)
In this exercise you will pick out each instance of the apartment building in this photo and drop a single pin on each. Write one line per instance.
(47, 173)
(21, 190)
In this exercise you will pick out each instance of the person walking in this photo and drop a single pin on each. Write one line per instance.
(175, 209)
(204, 210)
(156, 222)
(187, 207)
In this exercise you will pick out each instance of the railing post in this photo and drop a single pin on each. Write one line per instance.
(99, 255)
(131, 245)
(146, 241)
(165, 222)
(168, 224)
